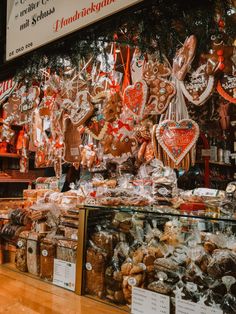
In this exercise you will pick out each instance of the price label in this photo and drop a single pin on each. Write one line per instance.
(187, 307)
(64, 274)
(88, 266)
(20, 244)
(44, 253)
(206, 152)
(148, 302)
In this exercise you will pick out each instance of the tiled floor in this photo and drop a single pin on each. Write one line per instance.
(22, 294)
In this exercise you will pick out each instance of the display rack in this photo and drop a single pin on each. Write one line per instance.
(99, 216)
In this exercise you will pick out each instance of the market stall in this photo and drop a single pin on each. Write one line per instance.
(126, 140)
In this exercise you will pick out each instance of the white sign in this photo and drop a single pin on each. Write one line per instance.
(33, 23)
(148, 302)
(6, 89)
(187, 307)
(64, 274)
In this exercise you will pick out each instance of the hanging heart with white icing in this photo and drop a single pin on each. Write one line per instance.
(177, 138)
(226, 87)
(135, 98)
(198, 86)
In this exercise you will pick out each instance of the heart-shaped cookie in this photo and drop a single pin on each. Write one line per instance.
(226, 87)
(135, 98)
(97, 128)
(198, 86)
(161, 93)
(177, 138)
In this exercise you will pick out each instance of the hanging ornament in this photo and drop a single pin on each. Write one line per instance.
(174, 138)
(137, 65)
(177, 137)
(184, 57)
(161, 91)
(221, 57)
(73, 140)
(135, 99)
(198, 86)
(226, 87)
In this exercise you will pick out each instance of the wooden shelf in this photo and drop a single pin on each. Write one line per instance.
(9, 155)
(12, 180)
(217, 163)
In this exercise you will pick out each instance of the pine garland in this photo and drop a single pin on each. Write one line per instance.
(156, 26)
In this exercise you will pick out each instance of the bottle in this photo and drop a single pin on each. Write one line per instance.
(213, 150)
(227, 149)
(220, 150)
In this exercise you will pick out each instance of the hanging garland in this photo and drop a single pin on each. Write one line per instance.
(154, 26)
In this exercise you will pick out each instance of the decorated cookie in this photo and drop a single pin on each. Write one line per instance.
(97, 128)
(12, 107)
(220, 58)
(153, 69)
(113, 106)
(198, 86)
(73, 140)
(118, 147)
(184, 57)
(135, 98)
(29, 101)
(226, 87)
(161, 94)
(177, 138)
(137, 65)
(81, 109)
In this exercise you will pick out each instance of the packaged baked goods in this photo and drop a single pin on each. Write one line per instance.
(47, 255)
(66, 250)
(33, 252)
(96, 261)
(21, 252)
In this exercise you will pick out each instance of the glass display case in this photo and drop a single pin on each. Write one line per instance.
(188, 257)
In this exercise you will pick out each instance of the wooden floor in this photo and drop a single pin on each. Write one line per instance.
(22, 294)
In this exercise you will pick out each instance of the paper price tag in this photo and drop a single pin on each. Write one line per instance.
(64, 274)
(187, 307)
(148, 302)
(74, 151)
(203, 309)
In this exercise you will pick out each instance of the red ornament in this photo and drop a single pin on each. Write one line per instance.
(221, 24)
(221, 59)
(220, 52)
(221, 66)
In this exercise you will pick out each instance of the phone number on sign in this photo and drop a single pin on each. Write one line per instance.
(21, 49)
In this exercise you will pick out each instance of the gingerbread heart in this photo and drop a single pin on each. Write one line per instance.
(226, 87)
(97, 128)
(198, 86)
(135, 98)
(177, 138)
(161, 93)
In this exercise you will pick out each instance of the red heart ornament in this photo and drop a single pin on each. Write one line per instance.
(177, 138)
(226, 87)
(135, 98)
(198, 86)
